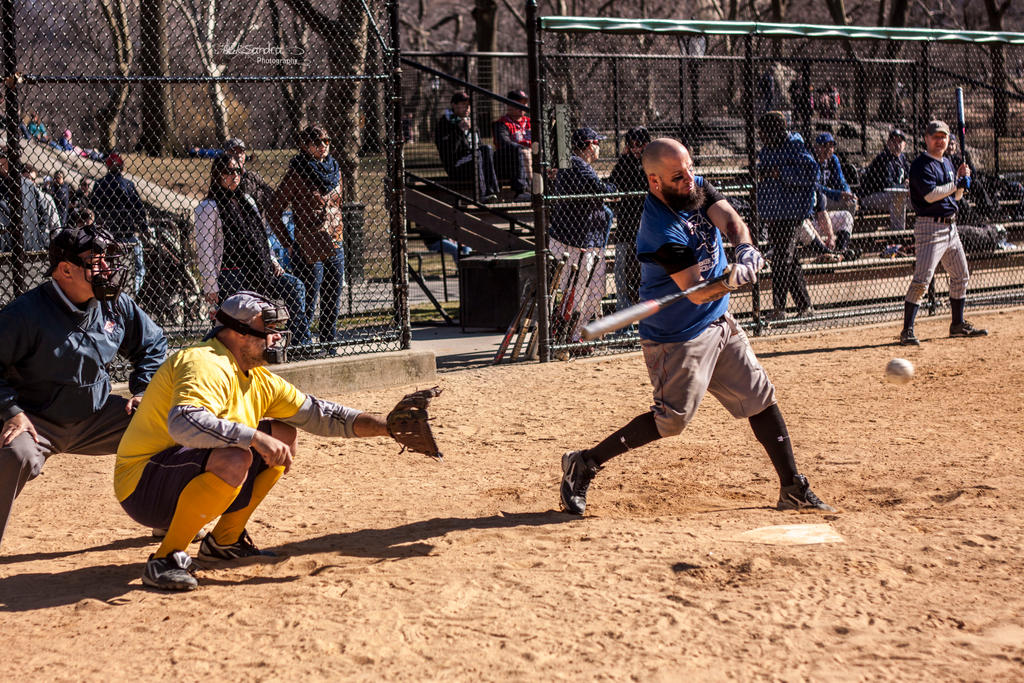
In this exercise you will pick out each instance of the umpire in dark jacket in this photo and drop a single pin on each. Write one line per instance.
(56, 342)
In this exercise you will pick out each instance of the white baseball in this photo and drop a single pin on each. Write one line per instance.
(899, 371)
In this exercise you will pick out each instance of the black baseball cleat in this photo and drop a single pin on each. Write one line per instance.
(209, 549)
(170, 573)
(966, 329)
(907, 337)
(799, 496)
(577, 474)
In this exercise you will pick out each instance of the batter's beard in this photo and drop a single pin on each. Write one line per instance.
(685, 202)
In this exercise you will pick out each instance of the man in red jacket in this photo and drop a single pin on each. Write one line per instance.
(512, 141)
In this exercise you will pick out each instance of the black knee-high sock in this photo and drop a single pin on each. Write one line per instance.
(770, 430)
(957, 306)
(909, 314)
(641, 430)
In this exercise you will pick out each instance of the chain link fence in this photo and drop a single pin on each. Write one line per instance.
(840, 242)
(229, 146)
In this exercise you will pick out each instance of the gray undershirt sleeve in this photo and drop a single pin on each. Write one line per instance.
(941, 192)
(324, 418)
(195, 427)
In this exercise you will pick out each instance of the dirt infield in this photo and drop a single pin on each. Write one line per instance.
(399, 568)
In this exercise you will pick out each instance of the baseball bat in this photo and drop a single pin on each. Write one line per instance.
(561, 318)
(524, 328)
(574, 319)
(513, 327)
(645, 309)
(531, 348)
(961, 124)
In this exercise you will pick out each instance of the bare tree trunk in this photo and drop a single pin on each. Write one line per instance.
(346, 55)
(888, 103)
(203, 22)
(1000, 99)
(220, 110)
(485, 15)
(373, 107)
(108, 118)
(296, 107)
(115, 14)
(155, 107)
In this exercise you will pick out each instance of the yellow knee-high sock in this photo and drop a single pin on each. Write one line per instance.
(203, 499)
(232, 524)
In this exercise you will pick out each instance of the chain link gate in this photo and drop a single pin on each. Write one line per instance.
(228, 146)
(853, 95)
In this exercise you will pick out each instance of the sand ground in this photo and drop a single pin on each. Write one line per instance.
(400, 568)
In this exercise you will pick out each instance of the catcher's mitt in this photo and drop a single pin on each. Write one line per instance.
(409, 425)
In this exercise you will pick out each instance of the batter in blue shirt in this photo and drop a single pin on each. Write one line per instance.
(691, 349)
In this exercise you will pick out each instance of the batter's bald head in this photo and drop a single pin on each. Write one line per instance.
(663, 152)
(670, 175)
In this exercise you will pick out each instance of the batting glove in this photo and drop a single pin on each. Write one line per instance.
(741, 274)
(748, 255)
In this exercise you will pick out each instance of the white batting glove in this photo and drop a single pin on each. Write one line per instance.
(748, 255)
(741, 274)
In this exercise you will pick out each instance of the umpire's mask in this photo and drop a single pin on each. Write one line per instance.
(95, 250)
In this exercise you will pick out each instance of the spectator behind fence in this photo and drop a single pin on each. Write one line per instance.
(786, 195)
(81, 217)
(82, 195)
(312, 189)
(64, 143)
(441, 244)
(57, 342)
(455, 140)
(120, 210)
(832, 181)
(885, 184)
(61, 193)
(580, 227)
(252, 182)
(36, 129)
(828, 102)
(39, 219)
(835, 198)
(628, 176)
(512, 140)
(234, 252)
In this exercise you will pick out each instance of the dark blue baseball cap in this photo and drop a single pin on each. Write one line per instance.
(581, 136)
(825, 139)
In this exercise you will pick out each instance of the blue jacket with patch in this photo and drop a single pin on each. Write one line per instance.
(54, 356)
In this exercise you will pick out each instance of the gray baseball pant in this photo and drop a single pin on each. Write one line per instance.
(936, 243)
(22, 460)
(719, 360)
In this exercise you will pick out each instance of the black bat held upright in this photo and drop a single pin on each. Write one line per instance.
(961, 124)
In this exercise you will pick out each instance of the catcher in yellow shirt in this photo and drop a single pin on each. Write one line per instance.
(216, 430)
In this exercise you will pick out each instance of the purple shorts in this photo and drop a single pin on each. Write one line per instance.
(166, 475)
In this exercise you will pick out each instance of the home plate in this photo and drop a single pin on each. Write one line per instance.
(791, 534)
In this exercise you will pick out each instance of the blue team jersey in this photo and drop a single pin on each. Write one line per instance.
(660, 225)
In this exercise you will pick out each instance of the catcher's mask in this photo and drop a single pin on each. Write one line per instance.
(238, 310)
(94, 249)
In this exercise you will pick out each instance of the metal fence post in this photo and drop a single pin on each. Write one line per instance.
(396, 169)
(12, 181)
(540, 227)
(748, 129)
